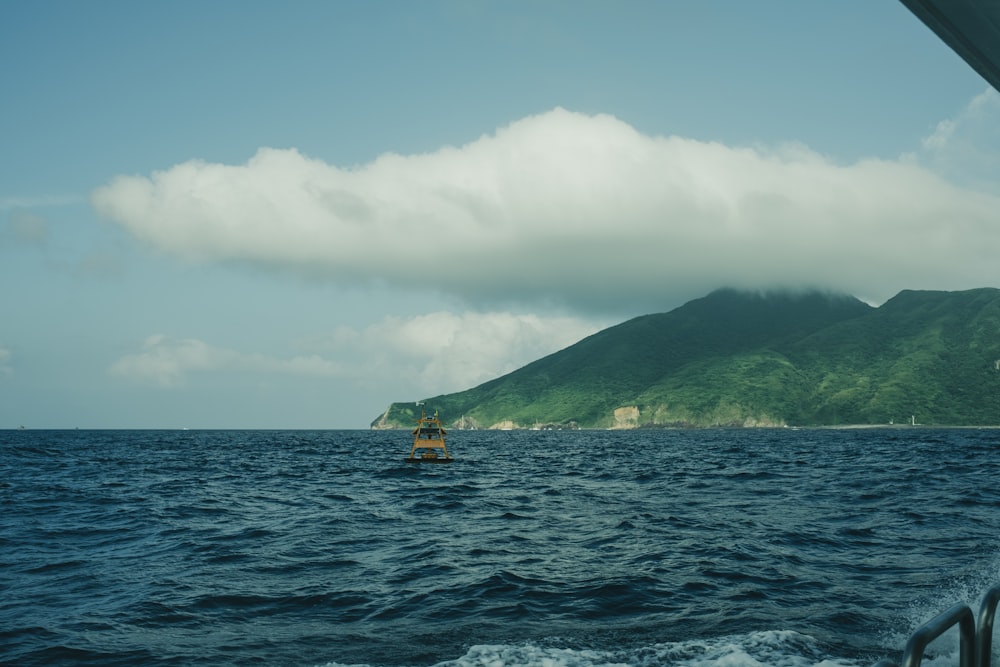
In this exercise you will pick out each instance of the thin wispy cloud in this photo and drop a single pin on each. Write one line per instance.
(166, 362)
(14, 202)
(575, 209)
(966, 148)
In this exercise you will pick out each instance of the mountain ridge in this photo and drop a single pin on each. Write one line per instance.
(737, 358)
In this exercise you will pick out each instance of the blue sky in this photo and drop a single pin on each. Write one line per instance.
(287, 215)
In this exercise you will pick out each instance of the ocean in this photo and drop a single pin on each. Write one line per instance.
(683, 548)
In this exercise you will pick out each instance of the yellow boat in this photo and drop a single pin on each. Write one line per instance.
(428, 438)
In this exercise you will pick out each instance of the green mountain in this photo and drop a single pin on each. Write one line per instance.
(749, 359)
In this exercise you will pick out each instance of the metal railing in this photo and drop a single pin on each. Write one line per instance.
(984, 630)
(975, 638)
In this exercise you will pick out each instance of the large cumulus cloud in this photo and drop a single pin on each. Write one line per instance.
(577, 209)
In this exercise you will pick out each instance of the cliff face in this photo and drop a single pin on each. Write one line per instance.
(626, 417)
(384, 422)
(739, 359)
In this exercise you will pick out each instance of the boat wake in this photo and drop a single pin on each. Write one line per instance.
(755, 649)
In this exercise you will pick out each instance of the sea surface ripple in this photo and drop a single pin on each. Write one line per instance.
(689, 548)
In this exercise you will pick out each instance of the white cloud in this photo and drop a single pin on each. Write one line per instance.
(577, 209)
(166, 361)
(966, 148)
(12, 202)
(445, 352)
(419, 356)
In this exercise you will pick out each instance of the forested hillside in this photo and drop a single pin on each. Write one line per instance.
(749, 359)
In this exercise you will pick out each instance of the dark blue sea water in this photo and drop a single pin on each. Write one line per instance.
(714, 548)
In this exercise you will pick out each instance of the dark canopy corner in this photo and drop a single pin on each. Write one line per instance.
(970, 27)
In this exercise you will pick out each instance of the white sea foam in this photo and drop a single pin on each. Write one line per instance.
(757, 649)
(968, 590)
